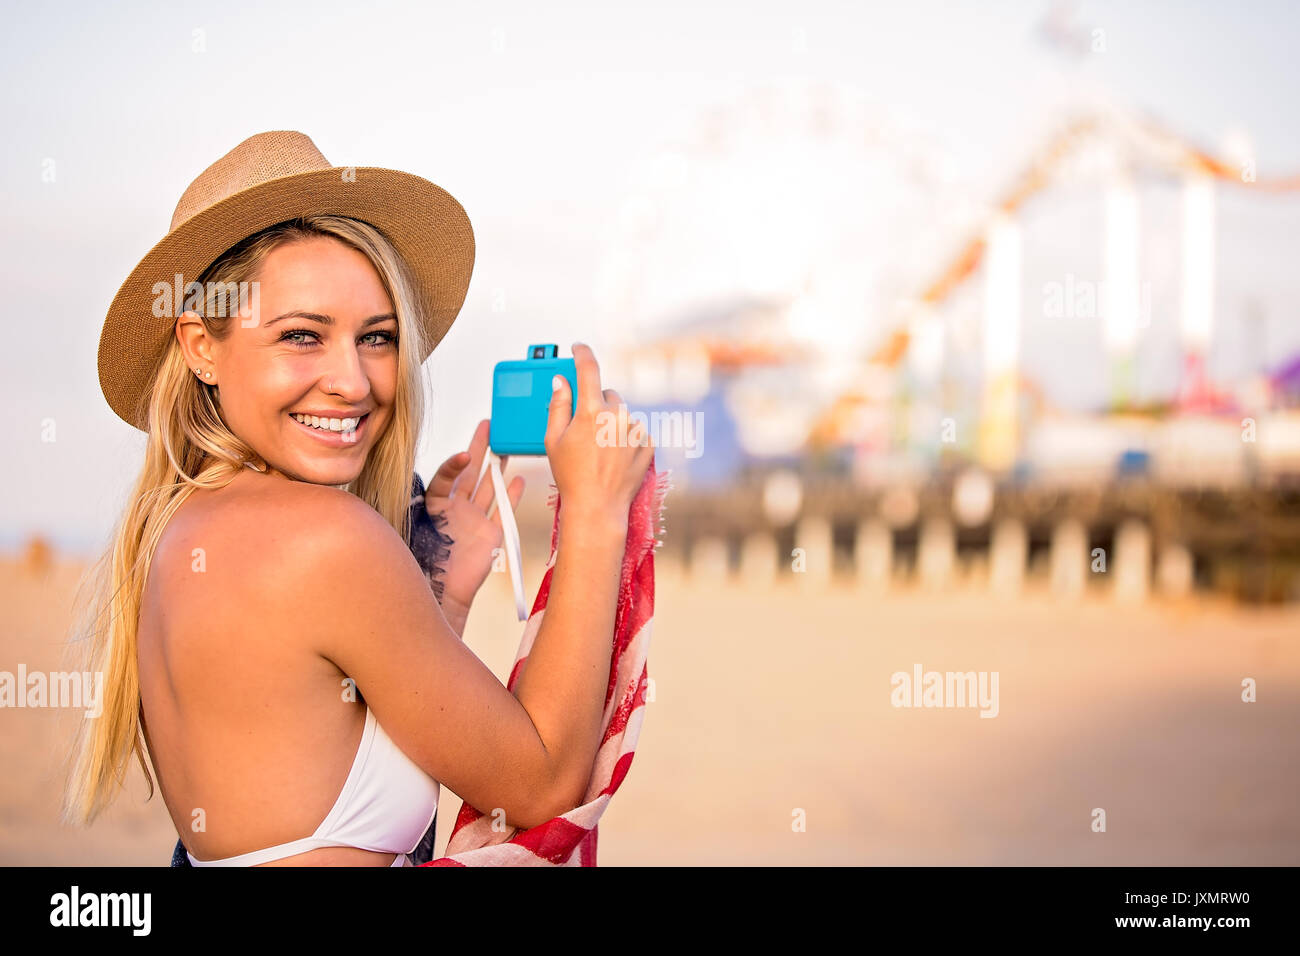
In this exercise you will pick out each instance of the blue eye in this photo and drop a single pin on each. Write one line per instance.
(286, 337)
(385, 338)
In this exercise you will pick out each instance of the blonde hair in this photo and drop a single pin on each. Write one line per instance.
(190, 447)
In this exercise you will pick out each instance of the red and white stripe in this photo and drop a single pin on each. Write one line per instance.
(570, 839)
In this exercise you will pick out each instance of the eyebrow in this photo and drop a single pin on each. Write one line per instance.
(329, 320)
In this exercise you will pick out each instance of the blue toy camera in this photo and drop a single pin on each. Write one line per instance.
(521, 398)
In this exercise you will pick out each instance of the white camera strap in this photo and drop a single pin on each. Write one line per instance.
(508, 526)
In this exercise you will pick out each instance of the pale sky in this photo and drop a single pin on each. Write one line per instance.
(542, 120)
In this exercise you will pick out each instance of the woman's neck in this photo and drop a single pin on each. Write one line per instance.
(273, 473)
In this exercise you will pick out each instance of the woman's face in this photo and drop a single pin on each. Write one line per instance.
(324, 344)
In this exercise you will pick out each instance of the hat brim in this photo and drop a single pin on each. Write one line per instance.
(426, 225)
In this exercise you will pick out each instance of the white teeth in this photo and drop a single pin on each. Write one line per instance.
(329, 424)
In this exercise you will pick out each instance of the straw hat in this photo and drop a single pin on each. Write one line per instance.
(266, 179)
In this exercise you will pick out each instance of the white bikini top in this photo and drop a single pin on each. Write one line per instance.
(386, 805)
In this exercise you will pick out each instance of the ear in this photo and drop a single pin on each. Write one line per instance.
(195, 344)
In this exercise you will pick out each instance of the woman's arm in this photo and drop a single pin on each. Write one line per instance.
(376, 618)
(563, 683)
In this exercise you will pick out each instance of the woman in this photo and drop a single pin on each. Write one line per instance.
(263, 627)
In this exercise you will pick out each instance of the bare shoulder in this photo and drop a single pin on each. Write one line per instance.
(328, 546)
(263, 542)
(316, 528)
(289, 520)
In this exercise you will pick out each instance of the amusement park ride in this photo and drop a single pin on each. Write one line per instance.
(1009, 394)
(1178, 509)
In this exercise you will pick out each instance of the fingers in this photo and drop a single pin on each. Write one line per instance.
(647, 450)
(464, 485)
(589, 393)
(514, 491)
(484, 497)
(637, 436)
(443, 479)
(560, 412)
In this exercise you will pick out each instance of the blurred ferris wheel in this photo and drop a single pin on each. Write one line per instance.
(807, 196)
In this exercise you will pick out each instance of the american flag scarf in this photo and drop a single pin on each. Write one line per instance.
(570, 839)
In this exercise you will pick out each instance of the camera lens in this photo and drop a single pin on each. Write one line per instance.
(539, 352)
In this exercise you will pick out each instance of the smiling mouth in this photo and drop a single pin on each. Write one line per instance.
(335, 430)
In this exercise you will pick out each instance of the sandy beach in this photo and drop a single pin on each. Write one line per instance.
(773, 706)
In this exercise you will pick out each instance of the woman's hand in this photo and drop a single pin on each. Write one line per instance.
(474, 535)
(598, 456)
